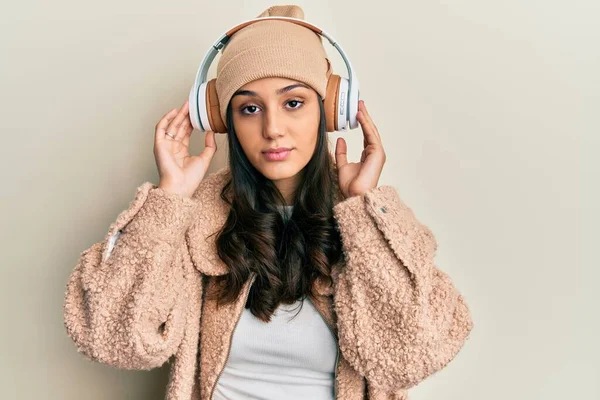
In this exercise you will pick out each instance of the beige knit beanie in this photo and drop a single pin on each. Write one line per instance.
(272, 49)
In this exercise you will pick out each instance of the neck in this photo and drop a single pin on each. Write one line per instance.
(287, 187)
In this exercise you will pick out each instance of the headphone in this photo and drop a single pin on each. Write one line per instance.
(341, 99)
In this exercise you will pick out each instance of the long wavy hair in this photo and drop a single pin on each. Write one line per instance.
(287, 253)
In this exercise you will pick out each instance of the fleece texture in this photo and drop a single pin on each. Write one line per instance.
(397, 317)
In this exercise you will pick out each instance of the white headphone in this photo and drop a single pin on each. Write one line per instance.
(341, 99)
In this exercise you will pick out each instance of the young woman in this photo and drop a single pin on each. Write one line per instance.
(288, 274)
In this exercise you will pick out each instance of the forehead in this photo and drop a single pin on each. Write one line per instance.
(271, 86)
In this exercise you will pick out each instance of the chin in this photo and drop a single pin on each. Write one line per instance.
(276, 171)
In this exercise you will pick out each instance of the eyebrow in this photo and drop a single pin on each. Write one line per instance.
(279, 91)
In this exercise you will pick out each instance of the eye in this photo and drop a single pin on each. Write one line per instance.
(243, 109)
(251, 109)
(296, 102)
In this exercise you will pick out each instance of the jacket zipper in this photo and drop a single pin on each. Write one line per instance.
(337, 349)
(231, 336)
(238, 320)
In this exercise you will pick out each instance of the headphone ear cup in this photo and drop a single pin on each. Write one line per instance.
(193, 107)
(213, 110)
(331, 102)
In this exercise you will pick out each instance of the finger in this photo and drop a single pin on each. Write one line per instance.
(184, 130)
(368, 121)
(374, 128)
(179, 118)
(188, 128)
(369, 136)
(163, 123)
(210, 147)
(367, 117)
(341, 156)
(364, 153)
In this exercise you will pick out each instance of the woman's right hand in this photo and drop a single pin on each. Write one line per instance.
(180, 172)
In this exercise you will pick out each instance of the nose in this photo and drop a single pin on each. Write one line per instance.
(271, 125)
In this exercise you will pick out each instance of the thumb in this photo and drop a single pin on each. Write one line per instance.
(201, 162)
(210, 147)
(341, 158)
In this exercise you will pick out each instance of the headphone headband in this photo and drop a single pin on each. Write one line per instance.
(221, 43)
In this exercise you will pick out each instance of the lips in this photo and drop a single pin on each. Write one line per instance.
(278, 150)
(279, 154)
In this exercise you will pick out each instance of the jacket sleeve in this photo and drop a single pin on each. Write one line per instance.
(400, 318)
(125, 300)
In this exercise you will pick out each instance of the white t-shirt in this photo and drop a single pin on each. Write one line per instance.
(292, 357)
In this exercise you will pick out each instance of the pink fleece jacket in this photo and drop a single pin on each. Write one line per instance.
(397, 317)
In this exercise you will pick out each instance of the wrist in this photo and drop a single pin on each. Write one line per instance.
(174, 190)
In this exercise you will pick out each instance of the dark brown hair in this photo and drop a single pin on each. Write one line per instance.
(287, 254)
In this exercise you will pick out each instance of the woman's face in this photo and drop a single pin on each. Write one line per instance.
(274, 113)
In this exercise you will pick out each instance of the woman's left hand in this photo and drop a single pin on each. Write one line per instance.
(357, 178)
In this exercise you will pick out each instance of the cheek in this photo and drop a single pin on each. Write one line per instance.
(244, 131)
(307, 141)
(310, 131)
(249, 145)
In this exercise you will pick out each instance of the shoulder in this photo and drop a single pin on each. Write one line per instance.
(210, 216)
(209, 189)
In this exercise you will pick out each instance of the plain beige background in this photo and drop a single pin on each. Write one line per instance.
(489, 112)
